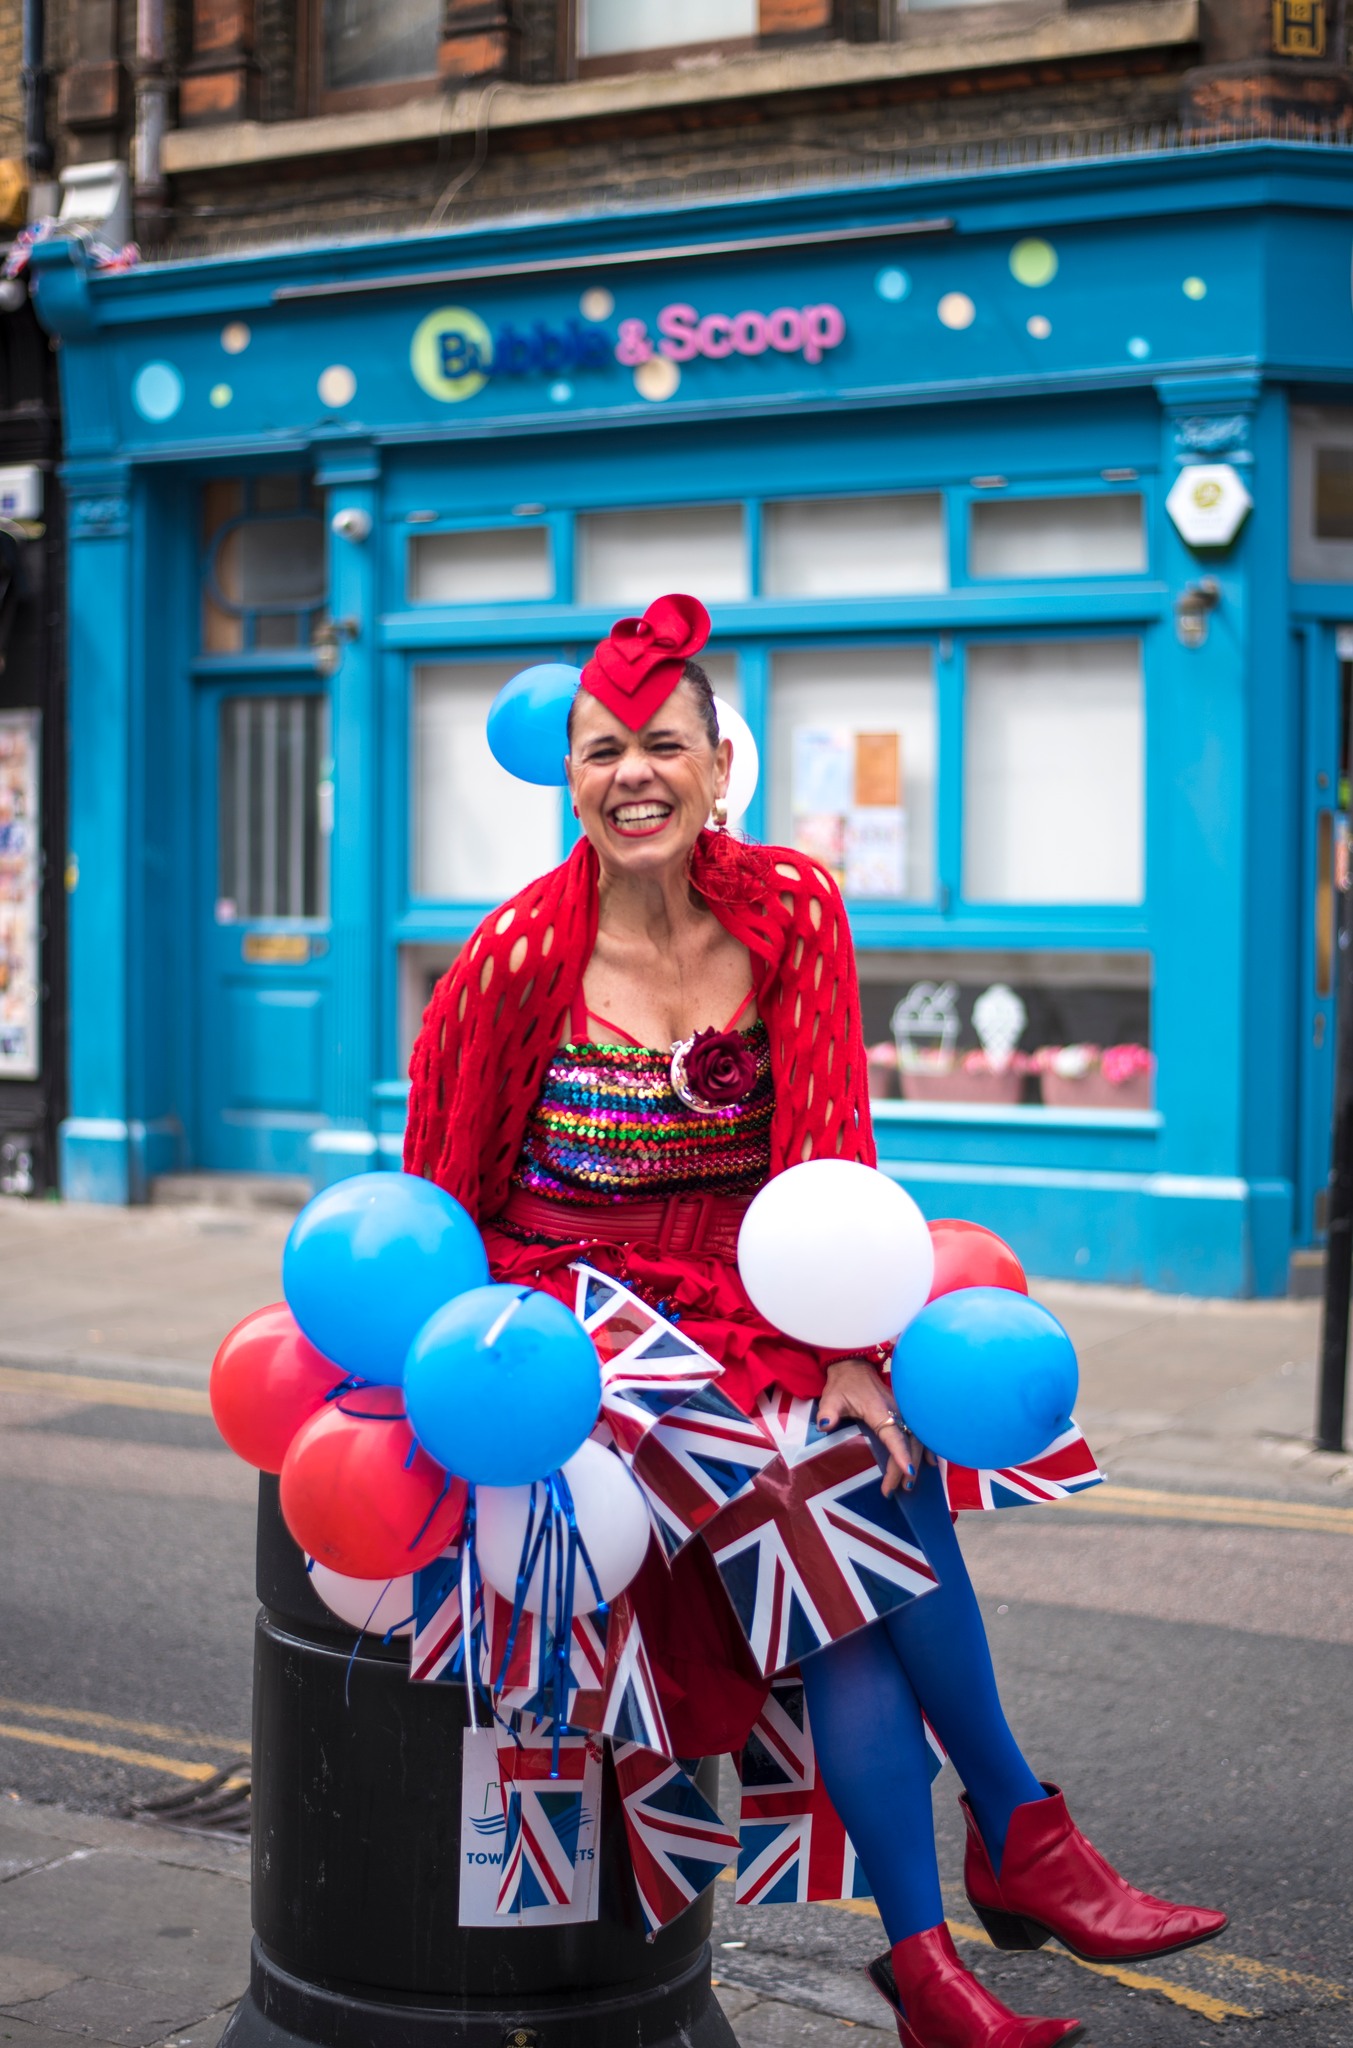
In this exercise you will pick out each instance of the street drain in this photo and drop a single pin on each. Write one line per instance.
(219, 1803)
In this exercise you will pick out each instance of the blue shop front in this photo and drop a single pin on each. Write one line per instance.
(1023, 506)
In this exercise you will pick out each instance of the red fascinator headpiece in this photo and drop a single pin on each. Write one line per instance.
(639, 663)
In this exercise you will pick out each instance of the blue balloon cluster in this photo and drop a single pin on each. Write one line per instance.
(985, 1377)
(388, 1277)
(528, 723)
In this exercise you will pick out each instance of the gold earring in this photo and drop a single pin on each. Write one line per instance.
(719, 813)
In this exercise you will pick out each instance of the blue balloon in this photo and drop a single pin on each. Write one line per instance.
(528, 722)
(502, 1385)
(985, 1377)
(369, 1260)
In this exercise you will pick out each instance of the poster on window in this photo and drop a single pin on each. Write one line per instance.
(19, 885)
(849, 814)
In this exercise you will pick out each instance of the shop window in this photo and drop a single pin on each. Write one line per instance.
(1053, 773)
(852, 742)
(273, 808)
(854, 547)
(1010, 1029)
(629, 558)
(478, 832)
(367, 50)
(265, 563)
(1322, 494)
(1101, 535)
(608, 28)
(493, 565)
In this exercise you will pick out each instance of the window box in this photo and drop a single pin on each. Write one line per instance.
(963, 1084)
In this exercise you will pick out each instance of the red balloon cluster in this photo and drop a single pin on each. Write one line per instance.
(966, 1255)
(356, 1491)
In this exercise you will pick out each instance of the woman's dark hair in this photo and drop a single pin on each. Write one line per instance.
(703, 692)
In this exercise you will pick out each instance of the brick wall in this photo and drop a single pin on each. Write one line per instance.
(11, 99)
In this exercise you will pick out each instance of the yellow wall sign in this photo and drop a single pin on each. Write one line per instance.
(451, 351)
(1299, 28)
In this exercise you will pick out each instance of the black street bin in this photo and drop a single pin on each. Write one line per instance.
(356, 1869)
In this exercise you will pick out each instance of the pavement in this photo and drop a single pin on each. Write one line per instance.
(1181, 1641)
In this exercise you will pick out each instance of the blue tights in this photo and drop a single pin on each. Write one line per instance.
(865, 1698)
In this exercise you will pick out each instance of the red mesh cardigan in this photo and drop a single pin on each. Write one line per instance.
(489, 1032)
(498, 1016)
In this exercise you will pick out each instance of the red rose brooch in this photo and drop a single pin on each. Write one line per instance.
(712, 1070)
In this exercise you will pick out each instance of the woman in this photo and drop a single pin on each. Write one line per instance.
(621, 1056)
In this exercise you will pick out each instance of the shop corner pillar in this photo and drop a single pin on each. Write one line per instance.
(350, 477)
(101, 1148)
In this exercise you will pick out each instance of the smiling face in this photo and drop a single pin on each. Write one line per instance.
(642, 797)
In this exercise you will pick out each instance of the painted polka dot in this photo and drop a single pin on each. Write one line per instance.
(892, 284)
(1033, 262)
(220, 395)
(236, 337)
(957, 310)
(337, 385)
(1195, 288)
(657, 378)
(1139, 348)
(1039, 326)
(157, 391)
(596, 303)
(561, 391)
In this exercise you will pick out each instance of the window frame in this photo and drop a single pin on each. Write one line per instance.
(314, 99)
(572, 63)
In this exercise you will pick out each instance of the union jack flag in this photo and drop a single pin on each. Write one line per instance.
(648, 1366)
(794, 1845)
(543, 1811)
(678, 1844)
(516, 1676)
(632, 1710)
(701, 1456)
(790, 1420)
(434, 1653)
(1066, 1467)
(814, 1550)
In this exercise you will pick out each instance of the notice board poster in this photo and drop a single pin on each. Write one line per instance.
(849, 814)
(20, 880)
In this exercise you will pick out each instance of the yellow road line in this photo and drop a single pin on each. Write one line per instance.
(155, 1729)
(88, 1388)
(143, 1759)
(1202, 2002)
(1216, 1507)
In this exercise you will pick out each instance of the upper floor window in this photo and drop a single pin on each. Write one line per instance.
(1322, 494)
(616, 28)
(371, 48)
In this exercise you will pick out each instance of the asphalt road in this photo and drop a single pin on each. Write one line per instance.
(1196, 1713)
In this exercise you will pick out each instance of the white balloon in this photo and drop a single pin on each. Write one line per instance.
(836, 1254)
(745, 773)
(372, 1605)
(612, 1518)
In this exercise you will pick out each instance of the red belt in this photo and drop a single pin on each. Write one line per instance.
(700, 1226)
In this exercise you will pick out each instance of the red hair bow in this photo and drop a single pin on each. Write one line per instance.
(639, 663)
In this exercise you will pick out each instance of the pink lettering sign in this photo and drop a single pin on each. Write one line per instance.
(809, 331)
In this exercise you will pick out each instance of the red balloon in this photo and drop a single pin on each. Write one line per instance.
(266, 1380)
(966, 1255)
(353, 1498)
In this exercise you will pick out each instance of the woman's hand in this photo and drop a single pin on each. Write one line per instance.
(857, 1392)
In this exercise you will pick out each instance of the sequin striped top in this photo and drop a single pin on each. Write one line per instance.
(610, 1127)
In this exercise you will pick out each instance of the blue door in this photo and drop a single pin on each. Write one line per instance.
(264, 802)
(1327, 659)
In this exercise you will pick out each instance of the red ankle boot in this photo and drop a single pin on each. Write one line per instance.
(1054, 1882)
(939, 2004)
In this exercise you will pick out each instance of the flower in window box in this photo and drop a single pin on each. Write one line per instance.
(977, 1077)
(883, 1071)
(1086, 1077)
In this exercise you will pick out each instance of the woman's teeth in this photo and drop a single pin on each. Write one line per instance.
(640, 814)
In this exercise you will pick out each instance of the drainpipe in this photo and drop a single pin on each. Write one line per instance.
(152, 100)
(37, 149)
